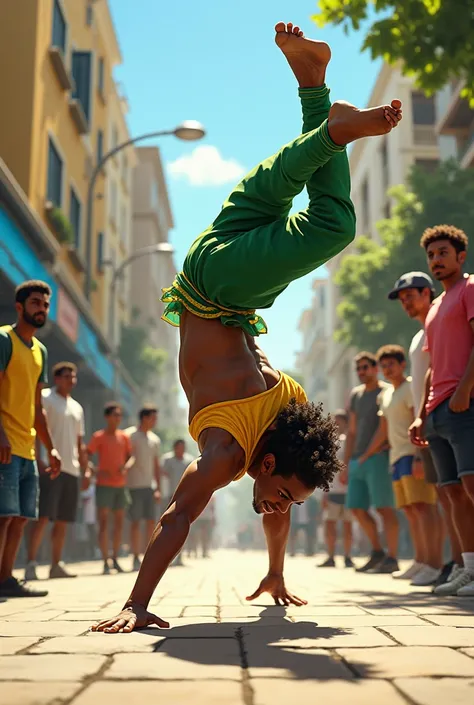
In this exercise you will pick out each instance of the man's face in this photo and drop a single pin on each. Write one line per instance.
(35, 309)
(274, 493)
(150, 421)
(415, 303)
(366, 371)
(443, 260)
(65, 382)
(392, 370)
(179, 450)
(113, 419)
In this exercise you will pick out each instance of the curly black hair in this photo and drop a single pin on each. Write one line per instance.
(456, 237)
(305, 443)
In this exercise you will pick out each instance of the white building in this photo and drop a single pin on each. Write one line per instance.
(455, 125)
(152, 221)
(312, 360)
(376, 165)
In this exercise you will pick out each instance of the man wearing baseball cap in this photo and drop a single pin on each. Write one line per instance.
(415, 291)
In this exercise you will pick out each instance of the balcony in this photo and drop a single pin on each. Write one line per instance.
(57, 59)
(78, 115)
(458, 115)
(466, 150)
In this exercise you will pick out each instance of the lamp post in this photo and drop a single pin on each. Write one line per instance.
(159, 248)
(189, 130)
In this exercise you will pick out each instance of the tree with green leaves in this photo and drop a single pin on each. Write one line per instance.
(433, 38)
(367, 318)
(141, 360)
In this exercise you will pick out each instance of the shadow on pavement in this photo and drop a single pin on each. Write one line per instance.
(385, 599)
(281, 649)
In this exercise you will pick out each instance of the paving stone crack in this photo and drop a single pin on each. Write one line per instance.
(248, 694)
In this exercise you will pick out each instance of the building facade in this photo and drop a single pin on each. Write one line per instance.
(455, 125)
(54, 126)
(315, 332)
(152, 221)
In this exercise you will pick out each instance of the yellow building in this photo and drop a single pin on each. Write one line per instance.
(54, 120)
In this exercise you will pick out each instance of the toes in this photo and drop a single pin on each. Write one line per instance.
(289, 27)
(301, 33)
(280, 27)
(296, 30)
(396, 104)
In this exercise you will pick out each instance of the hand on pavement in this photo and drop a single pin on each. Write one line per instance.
(275, 585)
(132, 617)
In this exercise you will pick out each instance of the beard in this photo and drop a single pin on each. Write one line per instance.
(37, 321)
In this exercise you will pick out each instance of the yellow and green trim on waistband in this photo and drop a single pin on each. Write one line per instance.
(183, 294)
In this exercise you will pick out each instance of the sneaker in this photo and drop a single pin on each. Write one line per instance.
(136, 563)
(426, 576)
(461, 579)
(409, 573)
(375, 558)
(11, 587)
(348, 562)
(445, 574)
(106, 570)
(59, 571)
(116, 565)
(328, 563)
(30, 571)
(467, 590)
(388, 565)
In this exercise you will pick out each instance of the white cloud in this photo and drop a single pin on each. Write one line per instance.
(205, 166)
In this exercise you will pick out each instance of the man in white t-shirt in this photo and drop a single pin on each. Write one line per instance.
(59, 499)
(415, 291)
(334, 506)
(143, 478)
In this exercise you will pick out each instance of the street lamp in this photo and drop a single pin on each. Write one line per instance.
(189, 130)
(159, 248)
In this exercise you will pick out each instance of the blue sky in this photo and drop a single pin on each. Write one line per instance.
(216, 62)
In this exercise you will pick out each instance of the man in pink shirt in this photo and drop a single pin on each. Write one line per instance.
(446, 415)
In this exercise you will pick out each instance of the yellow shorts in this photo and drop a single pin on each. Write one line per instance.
(408, 489)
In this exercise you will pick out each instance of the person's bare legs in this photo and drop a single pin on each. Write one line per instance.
(391, 529)
(347, 537)
(119, 516)
(415, 536)
(450, 528)
(135, 538)
(428, 521)
(4, 524)
(369, 527)
(330, 535)
(103, 515)
(462, 515)
(58, 537)
(149, 529)
(36, 534)
(12, 542)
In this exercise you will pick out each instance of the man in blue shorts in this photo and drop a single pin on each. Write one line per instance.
(370, 483)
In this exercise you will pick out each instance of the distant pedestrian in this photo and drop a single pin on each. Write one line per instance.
(204, 527)
(114, 450)
(370, 484)
(59, 499)
(143, 479)
(23, 372)
(334, 506)
(173, 465)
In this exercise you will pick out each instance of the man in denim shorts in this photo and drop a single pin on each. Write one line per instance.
(23, 372)
(446, 416)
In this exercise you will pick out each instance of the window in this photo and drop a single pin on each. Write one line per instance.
(423, 109)
(365, 205)
(89, 14)
(113, 202)
(81, 71)
(114, 136)
(101, 76)
(59, 27)
(429, 165)
(100, 146)
(124, 167)
(100, 252)
(384, 161)
(75, 217)
(55, 175)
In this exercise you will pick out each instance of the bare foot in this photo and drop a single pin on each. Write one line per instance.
(308, 58)
(347, 123)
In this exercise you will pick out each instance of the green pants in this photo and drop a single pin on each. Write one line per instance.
(255, 248)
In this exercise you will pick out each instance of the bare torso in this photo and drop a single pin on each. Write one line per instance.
(218, 363)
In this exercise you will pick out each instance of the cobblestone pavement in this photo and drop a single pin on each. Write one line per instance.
(360, 639)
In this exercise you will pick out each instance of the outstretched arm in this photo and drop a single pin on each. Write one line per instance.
(277, 529)
(213, 470)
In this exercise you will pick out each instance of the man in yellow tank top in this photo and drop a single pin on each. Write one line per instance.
(246, 416)
(23, 372)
